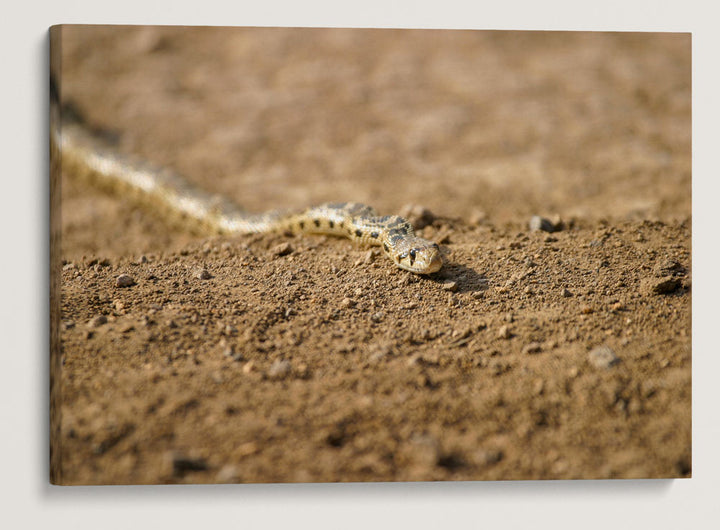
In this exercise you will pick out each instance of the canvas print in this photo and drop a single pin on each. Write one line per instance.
(369, 255)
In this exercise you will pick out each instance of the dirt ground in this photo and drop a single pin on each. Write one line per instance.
(530, 355)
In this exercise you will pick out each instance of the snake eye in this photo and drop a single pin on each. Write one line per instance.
(412, 254)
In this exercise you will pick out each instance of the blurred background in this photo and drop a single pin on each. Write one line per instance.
(482, 125)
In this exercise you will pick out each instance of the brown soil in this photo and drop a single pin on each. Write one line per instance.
(327, 363)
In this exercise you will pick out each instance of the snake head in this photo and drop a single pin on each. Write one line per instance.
(418, 255)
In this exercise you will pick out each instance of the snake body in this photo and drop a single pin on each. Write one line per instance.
(86, 154)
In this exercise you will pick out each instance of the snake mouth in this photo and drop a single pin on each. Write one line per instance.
(435, 264)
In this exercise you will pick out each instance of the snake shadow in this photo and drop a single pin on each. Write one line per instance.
(467, 279)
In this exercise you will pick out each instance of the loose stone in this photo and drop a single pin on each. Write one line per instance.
(347, 302)
(182, 464)
(603, 357)
(283, 249)
(203, 274)
(540, 223)
(477, 217)
(124, 280)
(417, 215)
(450, 286)
(533, 347)
(98, 321)
(248, 367)
(504, 332)
(228, 350)
(665, 285)
(228, 474)
(280, 369)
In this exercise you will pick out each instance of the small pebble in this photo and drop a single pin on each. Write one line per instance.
(228, 474)
(668, 267)
(665, 285)
(603, 357)
(303, 371)
(280, 369)
(283, 249)
(248, 367)
(533, 347)
(413, 360)
(377, 317)
(183, 464)
(538, 387)
(124, 280)
(418, 215)
(203, 274)
(347, 302)
(504, 332)
(477, 217)
(98, 321)
(566, 293)
(376, 358)
(247, 449)
(540, 223)
(488, 457)
(228, 350)
(450, 286)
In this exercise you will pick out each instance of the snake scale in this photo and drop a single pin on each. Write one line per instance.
(87, 154)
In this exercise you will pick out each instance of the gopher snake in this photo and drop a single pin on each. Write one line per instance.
(87, 154)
